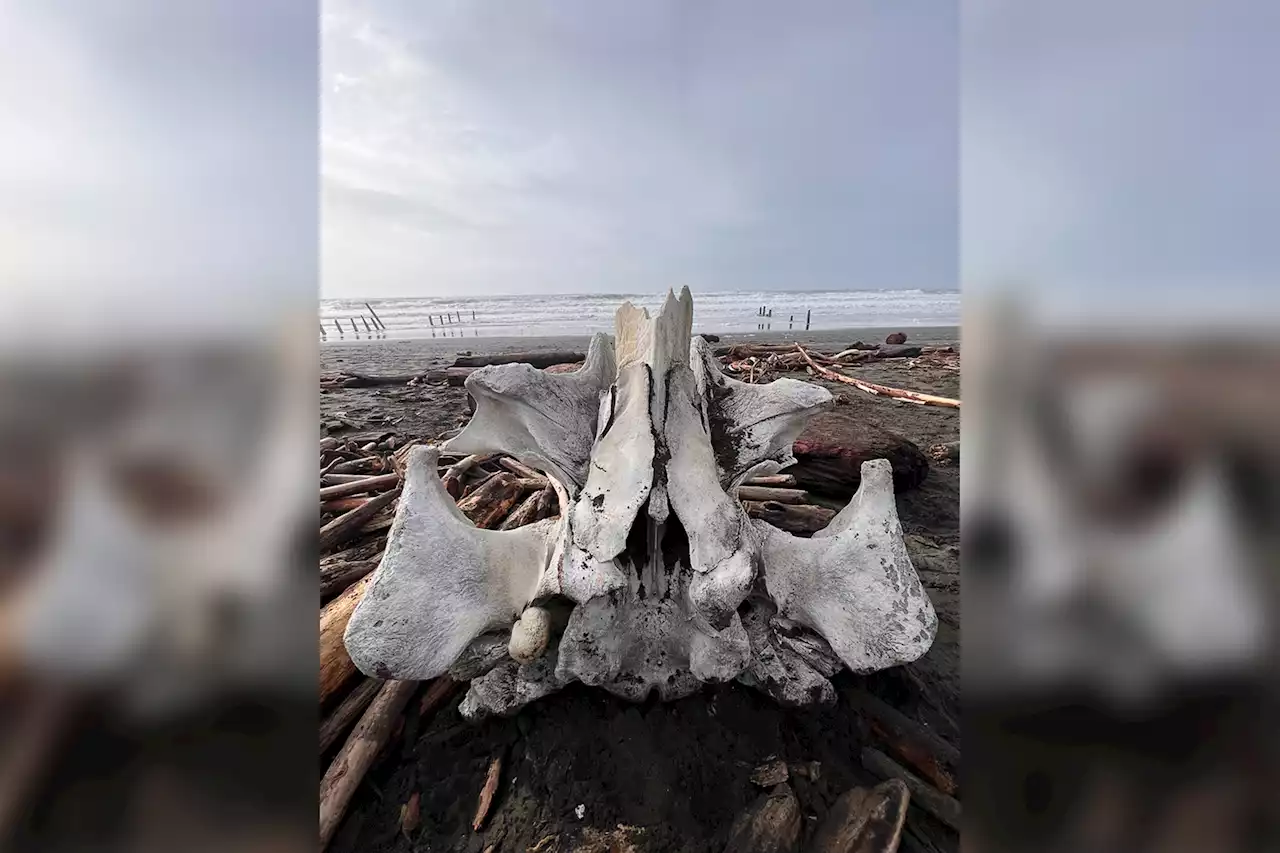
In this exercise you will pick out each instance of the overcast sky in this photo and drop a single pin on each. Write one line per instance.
(158, 163)
(497, 147)
(1123, 151)
(166, 151)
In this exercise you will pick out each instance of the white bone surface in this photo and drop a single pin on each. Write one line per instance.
(442, 582)
(543, 419)
(671, 585)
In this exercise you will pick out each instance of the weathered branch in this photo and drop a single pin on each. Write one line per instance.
(927, 797)
(769, 493)
(535, 359)
(925, 752)
(794, 518)
(884, 390)
(524, 514)
(779, 480)
(489, 504)
(357, 487)
(338, 576)
(348, 524)
(337, 723)
(335, 664)
(358, 753)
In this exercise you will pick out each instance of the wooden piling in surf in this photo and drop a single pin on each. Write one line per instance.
(354, 330)
(376, 318)
(431, 320)
(367, 327)
(338, 326)
(807, 315)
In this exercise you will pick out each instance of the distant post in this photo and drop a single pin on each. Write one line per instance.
(791, 321)
(807, 315)
(473, 315)
(376, 318)
(322, 334)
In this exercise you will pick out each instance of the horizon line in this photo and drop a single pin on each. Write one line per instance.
(640, 293)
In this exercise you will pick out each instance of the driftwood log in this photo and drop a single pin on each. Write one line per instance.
(548, 504)
(360, 380)
(336, 724)
(922, 750)
(772, 493)
(924, 795)
(455, 376)
(368, 464)
(335, 664)
(340, 574)
(518, 468)
(358, 753)
(874, 388)
(350, 523)
(802, 519)
(897, 351)
(336, 479)
(338, 506)
(486, 794)
(831, 449)
(363, 485)
(525, 513)
(535, 359)
(453, 477)
(780, 480)
(489, 504)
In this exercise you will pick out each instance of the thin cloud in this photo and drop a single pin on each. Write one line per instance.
(639, 146)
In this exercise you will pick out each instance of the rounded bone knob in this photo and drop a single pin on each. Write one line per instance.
(530, 635)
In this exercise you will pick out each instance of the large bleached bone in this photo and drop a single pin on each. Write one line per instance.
(442, 582)
(543, 419)
(853, 582)
(753, 426)
(667, 582)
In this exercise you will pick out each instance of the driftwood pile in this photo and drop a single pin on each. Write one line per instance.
(359, 489)
(753, 363)
(756, 363)
(456, 374)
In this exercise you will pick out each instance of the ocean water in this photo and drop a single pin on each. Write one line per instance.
(723, 311)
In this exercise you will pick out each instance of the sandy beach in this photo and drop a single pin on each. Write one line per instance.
(673, 776)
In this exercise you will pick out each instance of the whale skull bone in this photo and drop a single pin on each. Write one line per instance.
(668, 584)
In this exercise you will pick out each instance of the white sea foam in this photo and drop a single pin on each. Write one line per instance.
(575, 314)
